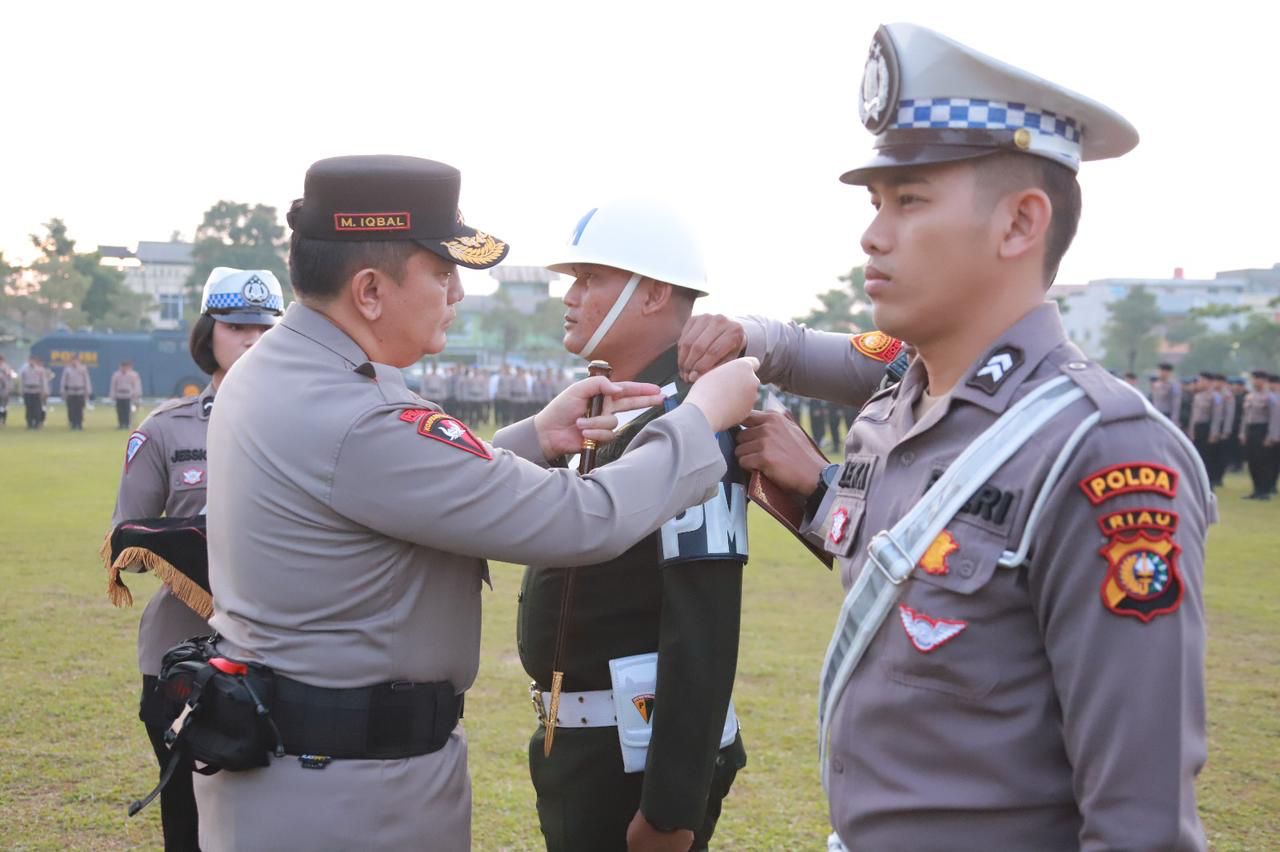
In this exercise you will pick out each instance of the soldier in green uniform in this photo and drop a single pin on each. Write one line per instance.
(677, 592)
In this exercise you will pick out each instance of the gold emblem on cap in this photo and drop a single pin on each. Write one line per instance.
(478, 249)
(1022, 138)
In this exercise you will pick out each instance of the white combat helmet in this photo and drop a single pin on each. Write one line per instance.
(245, 296)
(639, 236)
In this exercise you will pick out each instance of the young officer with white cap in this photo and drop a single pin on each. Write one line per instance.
(165, 473)
(1019, 663)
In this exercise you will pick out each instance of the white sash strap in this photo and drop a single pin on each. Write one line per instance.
(893, 555)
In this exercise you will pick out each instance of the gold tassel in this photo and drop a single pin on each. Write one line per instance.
(117, 591)
(183, 587)
(553, 713)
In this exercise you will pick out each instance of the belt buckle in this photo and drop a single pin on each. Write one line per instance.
(535, 695)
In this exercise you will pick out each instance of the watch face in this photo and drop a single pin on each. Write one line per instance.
(829, 474)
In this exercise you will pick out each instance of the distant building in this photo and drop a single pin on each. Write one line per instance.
(159, 270)
(1086, 310)
(526, 287)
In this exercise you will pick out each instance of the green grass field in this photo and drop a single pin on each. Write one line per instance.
(72, 753)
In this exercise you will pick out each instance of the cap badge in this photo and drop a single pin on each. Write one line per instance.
(878, 103)
(478, 249)
(255, 291)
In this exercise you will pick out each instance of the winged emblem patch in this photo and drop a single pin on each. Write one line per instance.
(927, 633)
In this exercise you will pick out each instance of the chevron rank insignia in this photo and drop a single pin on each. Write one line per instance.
(991, 374)
(644, 705)
(877, 345)
(928, 634)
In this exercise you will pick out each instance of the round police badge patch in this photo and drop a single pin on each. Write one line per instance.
(878, 101)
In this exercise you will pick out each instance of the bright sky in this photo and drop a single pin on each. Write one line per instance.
(129, 119)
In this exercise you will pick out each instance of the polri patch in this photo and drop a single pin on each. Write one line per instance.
(934, 560)
(446, 429)
(1127, 478)
(926, 633)
(877, 345)
(1142, 579)
(136, 440)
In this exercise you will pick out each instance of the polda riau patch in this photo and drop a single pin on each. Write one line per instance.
(877, 345)
(449, 430)
(1142, 579)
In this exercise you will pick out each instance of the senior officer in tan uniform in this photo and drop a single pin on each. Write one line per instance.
(1036, 679)
(350, 520)
(166, 473)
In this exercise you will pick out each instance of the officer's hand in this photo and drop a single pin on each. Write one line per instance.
(643, 837)
(708, 341)
(561, 427)
(775, 445)
(725, 395)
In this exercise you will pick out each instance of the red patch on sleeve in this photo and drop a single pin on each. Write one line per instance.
(1128, 478)
(1130, 520)
(413, 415)
(450, 431)
(877, 345)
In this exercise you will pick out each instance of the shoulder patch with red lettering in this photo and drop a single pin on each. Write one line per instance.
(877, 345)
(1127, 478)
(447, 429)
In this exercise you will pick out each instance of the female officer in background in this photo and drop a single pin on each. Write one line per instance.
(164, 474)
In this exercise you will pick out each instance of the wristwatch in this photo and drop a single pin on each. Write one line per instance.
(826, 479)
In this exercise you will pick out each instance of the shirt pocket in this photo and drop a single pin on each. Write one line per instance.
(189, 476)
(945, 634)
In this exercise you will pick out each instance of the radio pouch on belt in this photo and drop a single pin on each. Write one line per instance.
(217, 711)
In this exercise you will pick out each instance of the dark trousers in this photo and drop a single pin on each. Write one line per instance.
(178, 815)
(124, 412)
(1271, 465)
(1256, 455)
(586, 801)
(75, 411)
(34, 404)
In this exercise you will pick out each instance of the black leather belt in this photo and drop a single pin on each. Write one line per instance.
(387, 721)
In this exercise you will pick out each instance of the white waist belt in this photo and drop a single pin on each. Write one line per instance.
(592, 709)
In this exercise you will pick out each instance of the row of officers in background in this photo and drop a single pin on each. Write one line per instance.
(35, 382)
(1231, 424)
(506, 396)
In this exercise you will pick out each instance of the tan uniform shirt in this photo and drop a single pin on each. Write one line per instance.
(34, 379)
(166, 473)
(1257, 411)
(126, 385)
(1273, 420)
(75, 381)
(434, 387)
(347, 547)
(6, 383)
(1166, 396)
(1039, 707)
(1218, 417)
(1201, 409)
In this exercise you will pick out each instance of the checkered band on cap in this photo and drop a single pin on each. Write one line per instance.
(236, 301)
(1049, 131)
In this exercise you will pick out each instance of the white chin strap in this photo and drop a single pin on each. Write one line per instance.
(610, 318)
